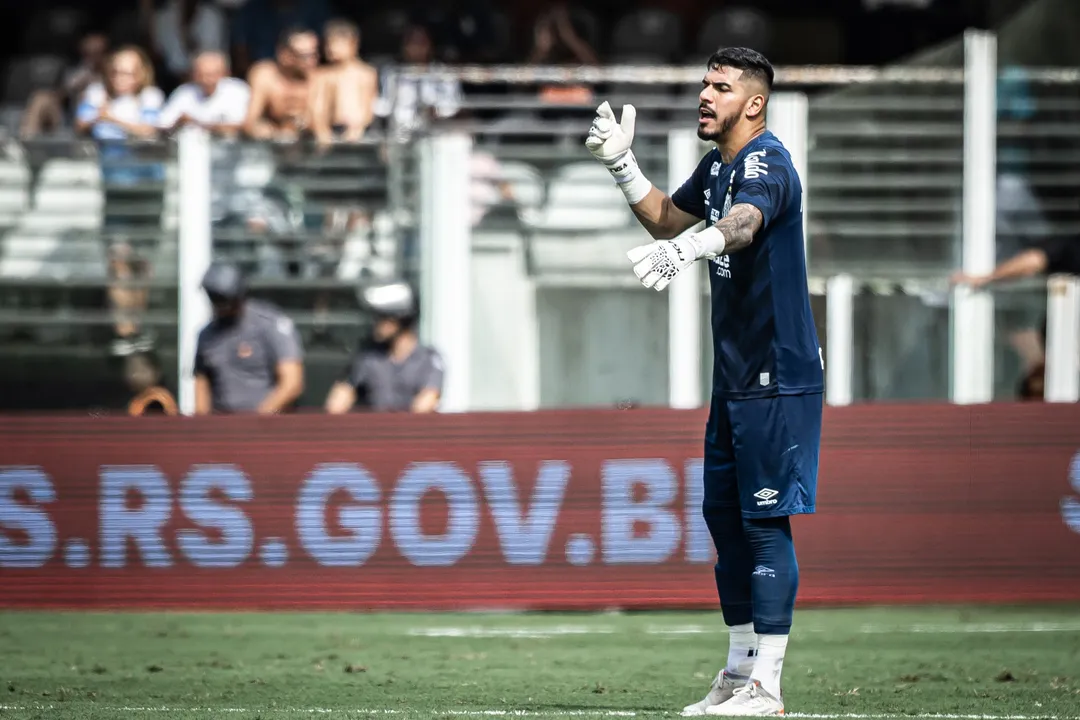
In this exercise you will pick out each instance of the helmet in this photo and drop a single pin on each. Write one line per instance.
(224, 280)
(391, 300)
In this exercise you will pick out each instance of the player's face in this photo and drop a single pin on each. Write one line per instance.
(721, 103)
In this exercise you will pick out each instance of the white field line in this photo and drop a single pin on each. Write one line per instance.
(541, 632)
(134, 710)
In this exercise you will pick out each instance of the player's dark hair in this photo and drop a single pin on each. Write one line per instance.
(753, 64)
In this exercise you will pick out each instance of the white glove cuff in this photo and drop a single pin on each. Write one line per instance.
(628, 177)
(710, 242)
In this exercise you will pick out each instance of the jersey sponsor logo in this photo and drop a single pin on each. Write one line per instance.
(763, 379)
(764, 571)
(708, 195)
(714, 215)
(715, 169)
(766, 496)
(723, 266)
(243, 351)
(754, 166)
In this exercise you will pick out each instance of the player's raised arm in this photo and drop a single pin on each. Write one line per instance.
(609, 142)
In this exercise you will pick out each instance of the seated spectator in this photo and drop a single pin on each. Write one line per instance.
(186, 28)
(345, 90)
(212, 100)
(557, 42)
(142, 374)
(46, 109)
(260, 23)
(125, 106)
(281, 90)
(410, 103)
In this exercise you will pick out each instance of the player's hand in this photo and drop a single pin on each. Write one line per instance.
(657, 263)
(609, 141)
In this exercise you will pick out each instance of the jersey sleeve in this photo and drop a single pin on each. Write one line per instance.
(355, 373)
(765, 181)
(285, 340)
(690, 197)
(434, 372)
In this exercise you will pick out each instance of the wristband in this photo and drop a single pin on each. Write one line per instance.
(710, 242)
(628, 177)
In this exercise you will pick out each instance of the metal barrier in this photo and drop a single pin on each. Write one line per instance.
(517, 237)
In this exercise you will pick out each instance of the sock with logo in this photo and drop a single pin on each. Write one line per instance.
(769, 662)
(742, 649)
(775, 574)
(734, 564)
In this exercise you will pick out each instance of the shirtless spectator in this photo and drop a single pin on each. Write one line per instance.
(344, 90)
(281, 89)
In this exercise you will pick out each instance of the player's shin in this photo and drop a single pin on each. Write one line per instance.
(775, 581)
(734, 565)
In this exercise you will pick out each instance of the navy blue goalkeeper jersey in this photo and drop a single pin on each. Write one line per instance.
(764, 339)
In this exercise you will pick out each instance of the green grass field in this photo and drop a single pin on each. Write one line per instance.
(882, 662)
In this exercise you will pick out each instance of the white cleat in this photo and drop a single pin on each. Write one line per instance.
(749, 701)
(723, 688)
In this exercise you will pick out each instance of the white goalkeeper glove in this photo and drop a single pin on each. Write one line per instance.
(657, 263)
(609, 142)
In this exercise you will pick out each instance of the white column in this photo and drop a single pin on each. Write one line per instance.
(972, 375)
(194, 249)
(445, 260)
(788, 119)
(685, 291)
(840, 327)
(1062, 383)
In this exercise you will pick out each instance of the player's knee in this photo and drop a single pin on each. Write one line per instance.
(725, 523)
(775, 575)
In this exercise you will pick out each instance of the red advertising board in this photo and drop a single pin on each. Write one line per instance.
(576, 509)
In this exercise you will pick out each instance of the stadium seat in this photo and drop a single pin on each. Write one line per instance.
(581, 196)
(646, 36)
(67, 173)
(14, 192)
(28, 73)
(526, 181)
(738, 26)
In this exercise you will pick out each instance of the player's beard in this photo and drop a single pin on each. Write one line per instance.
(721, 132)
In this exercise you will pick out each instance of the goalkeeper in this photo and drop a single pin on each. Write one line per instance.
(764, 426)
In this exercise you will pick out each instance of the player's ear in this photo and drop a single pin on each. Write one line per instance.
(755, 106)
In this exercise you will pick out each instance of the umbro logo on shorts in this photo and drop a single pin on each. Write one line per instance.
(766, 496)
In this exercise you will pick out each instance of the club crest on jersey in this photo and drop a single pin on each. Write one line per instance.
(708, 195)
(715, 169)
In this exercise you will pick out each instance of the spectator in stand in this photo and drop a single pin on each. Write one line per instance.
(1054, 256)
(280, 106)
(212, 99)
(142, 373)
(345, 90)
(123, 107)
(260, 24)
(410, 103)
(557, 42)
(46, 109)
(185, 28)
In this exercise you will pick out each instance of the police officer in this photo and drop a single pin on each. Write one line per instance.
(392, 371)
(249, 358)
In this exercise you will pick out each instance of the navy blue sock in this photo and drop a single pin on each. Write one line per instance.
(775, 575)
(734, 563)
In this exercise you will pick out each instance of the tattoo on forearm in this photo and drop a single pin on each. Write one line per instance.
(739, 227)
